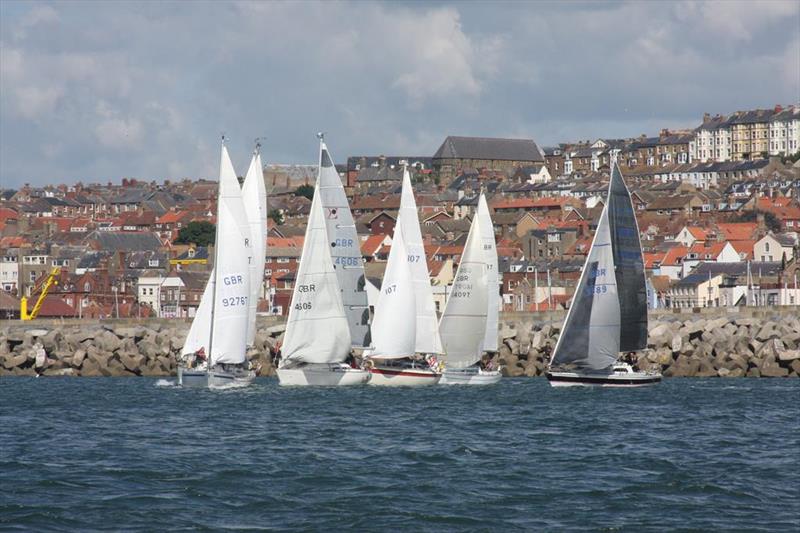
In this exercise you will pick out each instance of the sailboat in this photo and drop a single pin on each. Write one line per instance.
(214, 351)
(609, 309)
(414, 370)
(317, 338)
(254, 195)
(345, 248)
(465, 312)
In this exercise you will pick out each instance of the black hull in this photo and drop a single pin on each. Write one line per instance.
(564, 378)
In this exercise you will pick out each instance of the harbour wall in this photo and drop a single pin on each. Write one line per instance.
(706, 342)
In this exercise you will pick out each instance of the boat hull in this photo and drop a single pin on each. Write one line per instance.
(322, 376)
(403, 377)
(470, 377)
(578, 379)
(216, 378)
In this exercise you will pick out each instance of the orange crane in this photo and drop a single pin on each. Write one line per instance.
(23, 303)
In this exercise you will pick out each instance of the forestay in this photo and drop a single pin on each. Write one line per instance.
(428, 340)
(629, 265)
(254, 194)
(231, 279)
(345, 249)
(393, 326)
(463, 324)
(316, 329)
(490, 255)
(590, 335)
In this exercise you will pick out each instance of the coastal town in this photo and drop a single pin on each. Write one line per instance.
(718, 209)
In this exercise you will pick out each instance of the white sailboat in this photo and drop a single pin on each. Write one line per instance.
(317, 338)
(609, 309)
(473, 303)
(345, 248)
(394, 329)
(214, 352)
(254, 194)
(414, 370)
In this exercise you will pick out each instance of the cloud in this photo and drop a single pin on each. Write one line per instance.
(94, 90)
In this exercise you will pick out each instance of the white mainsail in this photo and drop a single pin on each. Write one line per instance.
(254, 194)
(590, 337)
(428, 340)
(345, 248)
(463, 323)
(393, 327)
(490, 252)
(317, 329)
(231, 280)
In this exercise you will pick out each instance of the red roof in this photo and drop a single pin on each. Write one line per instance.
(170, 217)
(697, 232)
(13, 242)
(738, 231)
(529, 203)
(53, 306)
(652, 258)
(674, 256)
(744, 247)
(372, 244)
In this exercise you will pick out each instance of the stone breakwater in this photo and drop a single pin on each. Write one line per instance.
(711, 344)
(679, 345)
(93, 349)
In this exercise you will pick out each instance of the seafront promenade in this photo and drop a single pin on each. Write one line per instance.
(706, 342)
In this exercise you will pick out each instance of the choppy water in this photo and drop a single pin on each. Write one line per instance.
(133, 454)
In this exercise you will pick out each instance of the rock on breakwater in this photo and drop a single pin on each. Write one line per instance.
(95, 349)
(679, 345)
(714, 343)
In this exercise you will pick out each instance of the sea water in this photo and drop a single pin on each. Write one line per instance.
(140, 454)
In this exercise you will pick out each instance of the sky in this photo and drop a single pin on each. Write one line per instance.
(98, 91)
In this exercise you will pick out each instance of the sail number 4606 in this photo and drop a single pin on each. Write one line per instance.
(302, 306)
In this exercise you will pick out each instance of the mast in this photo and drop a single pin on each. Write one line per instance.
(214, 272)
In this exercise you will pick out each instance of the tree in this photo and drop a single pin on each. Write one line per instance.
(276, 216)
(770, 220)
(199, 232)
(305, 190)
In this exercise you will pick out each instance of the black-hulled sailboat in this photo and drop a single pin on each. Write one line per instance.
(608, 314)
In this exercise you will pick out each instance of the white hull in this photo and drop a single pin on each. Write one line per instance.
(622, 375)
(333, 375)
(403, 377)
(470, 377)
(216, 378)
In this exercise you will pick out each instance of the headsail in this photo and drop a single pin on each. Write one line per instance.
(629, 264)
(231, 280)
(590, 334)
(317, 328)
(254, 194)
(428, 340)
(200, 330)
(394, 327)
(490, 251)
(463, 324)
(345, 248)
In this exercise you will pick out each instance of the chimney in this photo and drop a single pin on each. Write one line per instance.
(706, 117)
(778, 108)
(381, 161)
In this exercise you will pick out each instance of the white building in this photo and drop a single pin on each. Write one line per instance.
(784, 131)
(9, 271)
(712, 140)
(149, 291)
(773, 247)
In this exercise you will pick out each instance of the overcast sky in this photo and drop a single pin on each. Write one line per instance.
(101, 90)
